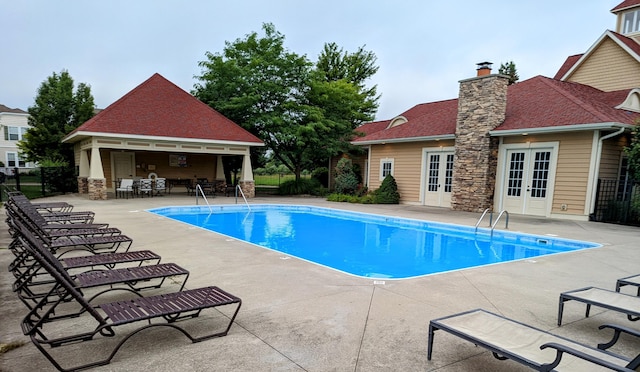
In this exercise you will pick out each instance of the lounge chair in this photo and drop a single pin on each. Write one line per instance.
(125, 188)
(134, 278)
(533, 347)
(103, 321)
(633, 280)
(611, 300)
(160, 186)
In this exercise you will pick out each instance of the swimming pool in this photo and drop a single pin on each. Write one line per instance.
(369, 245)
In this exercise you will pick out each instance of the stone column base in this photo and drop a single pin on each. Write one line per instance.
(97, 188)
(83, 185)
(248, 188)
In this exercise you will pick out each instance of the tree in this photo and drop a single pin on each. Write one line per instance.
(56, 112)
(509, 69)
(633, 152)
(279, 96)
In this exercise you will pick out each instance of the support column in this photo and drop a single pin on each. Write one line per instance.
(219, 169)
(83, 175)
(97, 183)
(247, 184)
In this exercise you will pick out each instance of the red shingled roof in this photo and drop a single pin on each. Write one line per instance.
(566, 66)
(624, 5)
(539, 102)
(159, 108)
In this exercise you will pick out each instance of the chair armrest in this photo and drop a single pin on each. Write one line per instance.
(617, 330)
(560, 349)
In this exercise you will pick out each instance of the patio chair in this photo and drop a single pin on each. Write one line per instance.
(532, 347)
(103, 321)
(160, 186)
(146, 187)
(610, 300)
(125, 188)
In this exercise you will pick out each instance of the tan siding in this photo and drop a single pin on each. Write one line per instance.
(105, 156)
(407, 159)
(608, 68)
(611, 155)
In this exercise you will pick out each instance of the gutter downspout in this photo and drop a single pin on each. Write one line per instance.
(594, 181)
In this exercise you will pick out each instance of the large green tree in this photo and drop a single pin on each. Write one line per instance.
(57, 111)
(298, 109)
(510, 70)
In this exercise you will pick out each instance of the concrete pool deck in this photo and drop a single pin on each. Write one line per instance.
(298, 316)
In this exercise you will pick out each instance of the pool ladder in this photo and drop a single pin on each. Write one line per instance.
(199, 188)
(493, 225)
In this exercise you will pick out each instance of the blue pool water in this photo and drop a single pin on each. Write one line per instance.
(369, 245)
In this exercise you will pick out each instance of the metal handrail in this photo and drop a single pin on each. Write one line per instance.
(480, 219)
(506, 225)
(198, 187)
(243, 197)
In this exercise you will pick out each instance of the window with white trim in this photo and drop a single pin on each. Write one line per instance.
(386, 167)
(631, 22)
(15, 160)
(14, 133)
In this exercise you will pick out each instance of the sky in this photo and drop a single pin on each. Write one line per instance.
(423, 47)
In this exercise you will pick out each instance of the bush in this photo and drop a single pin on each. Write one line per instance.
(301, 186)
(346, 179)
(322, 175)
(388, 191)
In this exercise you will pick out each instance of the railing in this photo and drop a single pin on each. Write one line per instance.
(238, 188)
(506, 225)
(481, 218)
(491, 223)
(199, 188)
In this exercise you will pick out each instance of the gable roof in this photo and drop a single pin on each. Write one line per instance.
(538, 104)
(573, 62)
(625, 5)
(4, 108)
(159, 108)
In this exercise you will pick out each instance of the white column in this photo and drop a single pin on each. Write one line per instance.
(247, 172)
(84, 164)
(96, 170)
(219, 169)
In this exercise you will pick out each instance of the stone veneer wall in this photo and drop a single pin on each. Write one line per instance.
(83, 185)
(97, 188)
(482, 105)
(248, 188)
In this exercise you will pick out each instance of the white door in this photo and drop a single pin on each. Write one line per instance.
(438, 178)
(123, 165)
(528, 181)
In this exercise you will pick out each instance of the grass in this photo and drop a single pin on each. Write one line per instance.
(273, 179)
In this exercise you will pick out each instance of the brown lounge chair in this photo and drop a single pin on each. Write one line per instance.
(103, 321)
(532, 347)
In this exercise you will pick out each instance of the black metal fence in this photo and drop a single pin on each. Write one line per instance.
(617, 202)
(39, 182)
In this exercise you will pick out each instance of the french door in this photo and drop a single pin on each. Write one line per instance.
(438, 178)
(527, 181)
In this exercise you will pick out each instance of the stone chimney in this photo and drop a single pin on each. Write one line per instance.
(482, 104)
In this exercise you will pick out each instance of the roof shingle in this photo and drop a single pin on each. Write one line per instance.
(159, 108)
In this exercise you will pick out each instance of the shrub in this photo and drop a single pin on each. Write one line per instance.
(388, 191)
(301, 186)
(346, 180)
(322, 175)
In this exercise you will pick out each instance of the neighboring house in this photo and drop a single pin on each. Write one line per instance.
(158, 129)
(537, 147)
(14, 123)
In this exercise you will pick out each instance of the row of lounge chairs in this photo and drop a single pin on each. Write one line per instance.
(545, 351)
(80, 282)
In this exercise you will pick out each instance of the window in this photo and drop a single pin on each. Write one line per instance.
(15, 160)
(14, 133)
(631, 22)
(386, 167)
